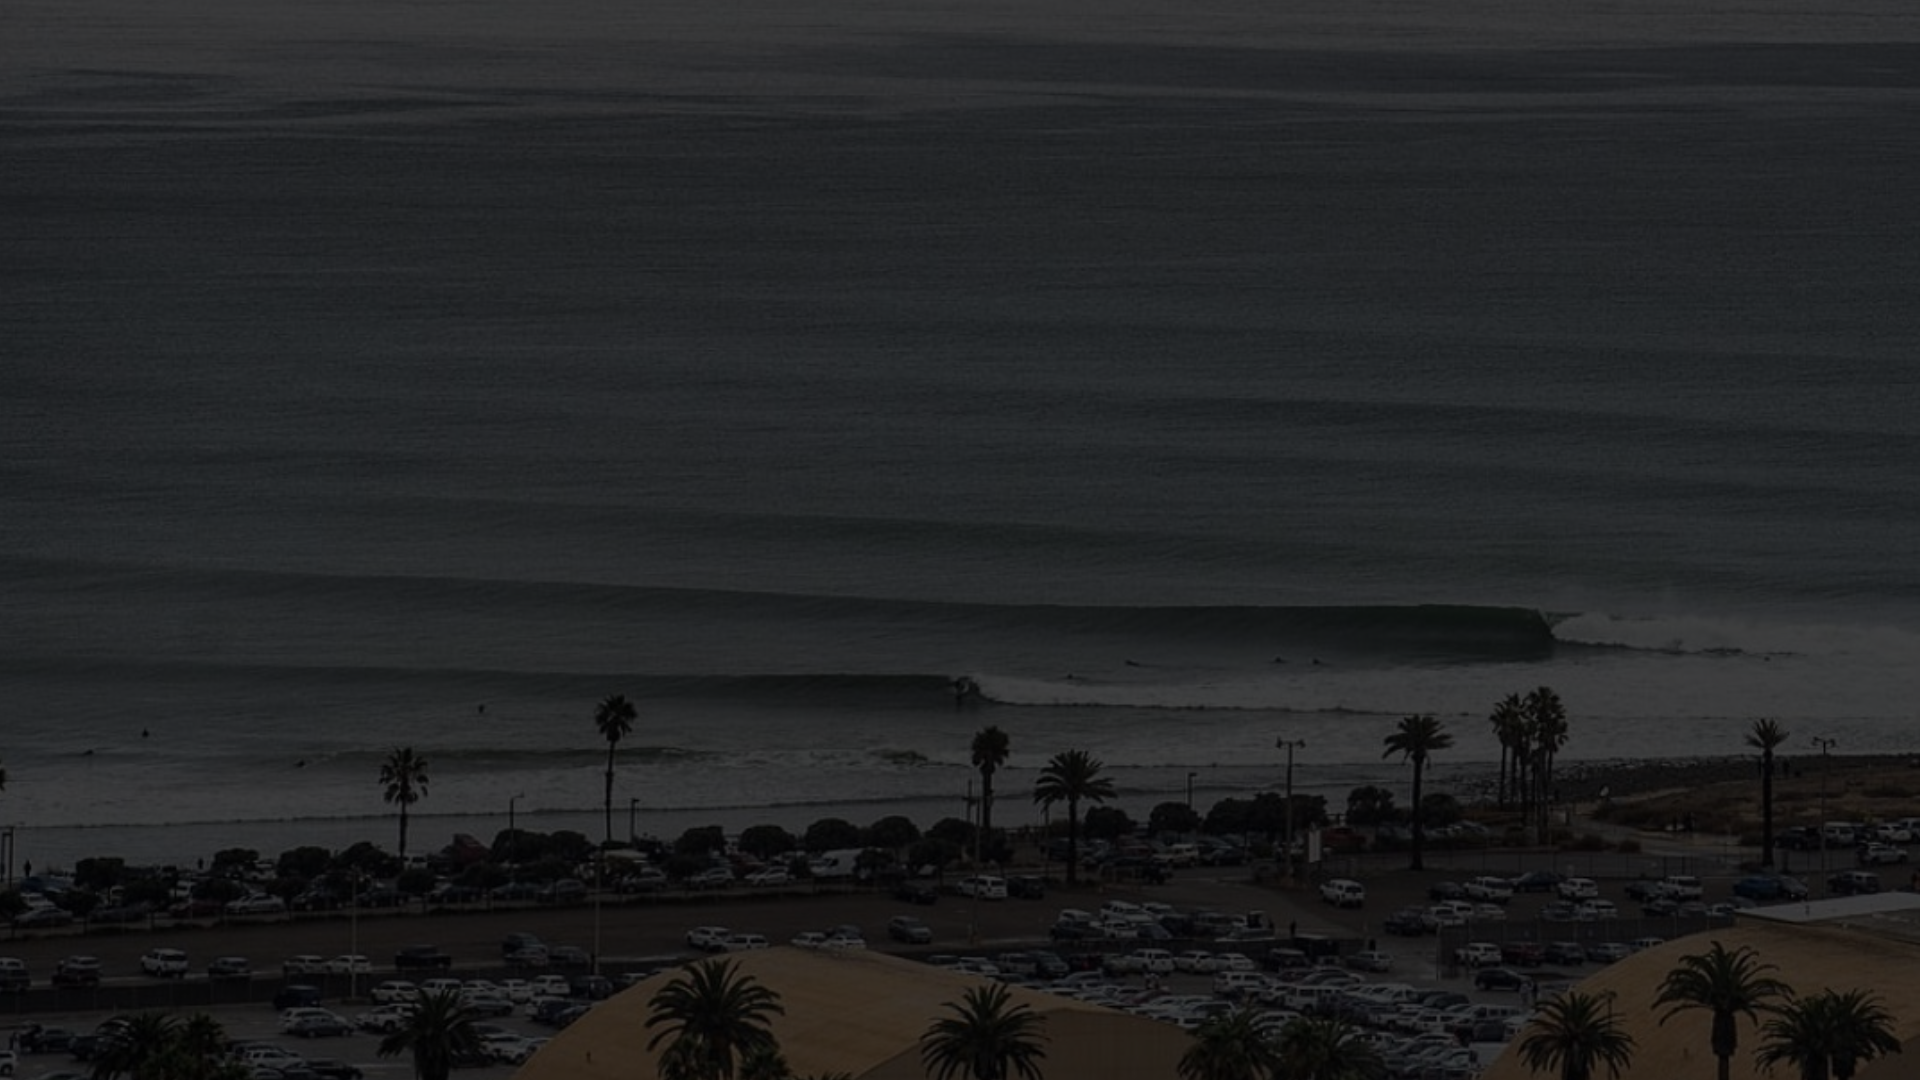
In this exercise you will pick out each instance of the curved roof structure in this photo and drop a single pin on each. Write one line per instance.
(1865, 943)
(862, 1013)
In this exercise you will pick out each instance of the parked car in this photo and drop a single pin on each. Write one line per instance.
(1606, 952)
(708, 938)
(421, 956)
(41, 1039)
(1343, 893)
(916, 892)
(257, 904)
(1493, 890)
(394, 991)
(1523, 953)
(42, 917)
(296, 996)
(1371, 960)
(911, 931)
(1881, 854)
(77, 971)
(164, 963)
(1027, 887)
(1536, 881)
(984, 887)
(1565, 952)
(1499, 978)
(229, 967)
(314, 1027)
(1763, 888)
(1578, 888)
(1410, 922)
(1853, 883)
(13, 974)
(1477, 954)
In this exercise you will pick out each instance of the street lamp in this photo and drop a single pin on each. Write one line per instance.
(1290, 745)
(1825, 745)
(511, 799)
(632, 805)
(1190, 777)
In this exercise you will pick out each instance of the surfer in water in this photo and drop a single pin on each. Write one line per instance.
(965, 689)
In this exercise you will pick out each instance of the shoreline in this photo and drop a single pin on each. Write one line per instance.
(60, 847)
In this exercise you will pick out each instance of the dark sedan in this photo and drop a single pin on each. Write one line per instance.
(1500, 978)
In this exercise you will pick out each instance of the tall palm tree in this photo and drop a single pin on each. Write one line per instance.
(1827, 1035)
(986, 1038)
(1326, 1048)
(990, 750)
(1071, 776)
(1766, 736)
(1231, 1046)
(1509, 720)
(1574, 1034)
(438, 1032)
(403, 776)
(1726, 983)
(1547, 732)
(714, 1019)
(1415, 740)
(614, 718)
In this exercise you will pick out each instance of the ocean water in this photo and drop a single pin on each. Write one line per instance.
(374, 390)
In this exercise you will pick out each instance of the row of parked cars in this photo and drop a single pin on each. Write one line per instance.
(1417, 1033)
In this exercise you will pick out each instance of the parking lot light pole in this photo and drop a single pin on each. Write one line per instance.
(1825, 745)
(1190, 777)
(1290, 745)
(633, 805)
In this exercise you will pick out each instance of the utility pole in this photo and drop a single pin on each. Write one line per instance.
(1825, 745)
(1289, 745)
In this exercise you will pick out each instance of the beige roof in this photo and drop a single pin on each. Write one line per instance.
(1840, 954)
(862, 1013)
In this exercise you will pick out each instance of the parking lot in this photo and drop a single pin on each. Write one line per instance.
(632, 937)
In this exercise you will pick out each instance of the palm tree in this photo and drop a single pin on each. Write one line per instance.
(404, 777)
(1415, 740)
(1547, 731)
(438, 1033)
(984, 1039)
(714, 1020)
(990, 750)
(1827, 1035)
(1728, 984)
(614, 718)
(1765, 737)
(1860, 1028)
(202, 1037)
(1574, 1034)
(141, 1048)
(1070, 776)
(1326, 1048)
(1509, 720)
(1796, 1034)
(159, 1046)
(1231, 1046)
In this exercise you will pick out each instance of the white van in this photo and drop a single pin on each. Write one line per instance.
(1181, 854)
(984, 887)
(1341, 892)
